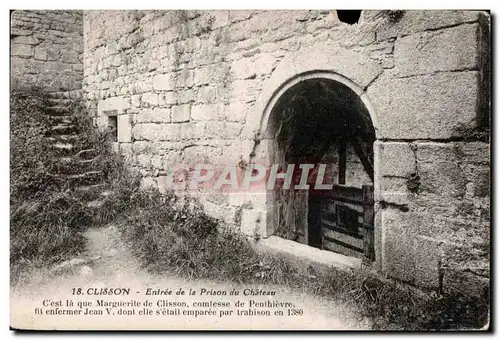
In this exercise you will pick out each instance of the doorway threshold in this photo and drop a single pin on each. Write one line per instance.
(302, 253)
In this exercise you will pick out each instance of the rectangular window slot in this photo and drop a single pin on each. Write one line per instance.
(113, 128)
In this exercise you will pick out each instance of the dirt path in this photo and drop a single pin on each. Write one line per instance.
(108, 264)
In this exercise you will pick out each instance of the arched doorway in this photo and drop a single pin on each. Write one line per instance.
(321, 121)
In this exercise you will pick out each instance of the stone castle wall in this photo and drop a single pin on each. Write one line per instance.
(46, 50)
(191, 86)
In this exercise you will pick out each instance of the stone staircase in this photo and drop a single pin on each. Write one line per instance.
(76, 165)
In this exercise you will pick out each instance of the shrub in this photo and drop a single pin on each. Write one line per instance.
(30, 151)
(43, 216)
(174, 236)
(47, 214)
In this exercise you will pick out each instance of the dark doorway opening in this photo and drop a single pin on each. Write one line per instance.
(323, 122)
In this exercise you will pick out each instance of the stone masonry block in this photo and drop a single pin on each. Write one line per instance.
(440, 170)
(407, 256)
(251, 67)
(40, 53)
(246, 90)
(124, 129)
(207, 112)
(21, 50)
(418, 20)
(164, 82)
(449, 49)
(192, 131)
(425, 107)
(465, 282)
(181, 113)
(250, 222)
(185, 78)
(396, 159)
(427, 255)
(236, 112)
(149, 99)
(154, 116)
(115, 105)
(27, 40)
(156, 132)
(211, 74)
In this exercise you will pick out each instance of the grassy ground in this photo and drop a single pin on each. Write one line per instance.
(47, 214)
(184, 241)
(175, 236)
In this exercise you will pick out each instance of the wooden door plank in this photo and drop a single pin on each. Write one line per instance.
(368, 222)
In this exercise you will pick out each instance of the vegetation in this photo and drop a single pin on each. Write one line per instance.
(47, 212)
(40, 221)
(175, 237)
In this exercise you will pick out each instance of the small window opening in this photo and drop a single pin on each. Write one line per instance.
(349, 16)
(113, 128)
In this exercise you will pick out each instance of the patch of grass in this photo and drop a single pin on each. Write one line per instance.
(176, 237)
(40, 221)
(393, 306)
(48, 214)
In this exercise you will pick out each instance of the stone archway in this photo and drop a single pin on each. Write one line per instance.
(346, 69)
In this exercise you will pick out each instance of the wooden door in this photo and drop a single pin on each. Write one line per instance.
(345, 220)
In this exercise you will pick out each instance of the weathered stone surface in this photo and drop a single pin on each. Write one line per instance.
(196, 87)
(440, 170)
(113, 104)
(208, 112)
(28, 40)
(164, 82)
(192, 131)
(40, 53)
(21, 50)
(211, 74)
(249, 68)
(149, 99)
(449, 49)
(417, 21)
(154, 116)
(460, 282)
(39, 46)
(408, 257)
(396, 159)
(237, 112)
(154, 132)
(250, 222)
(424, 107)
(124, 129)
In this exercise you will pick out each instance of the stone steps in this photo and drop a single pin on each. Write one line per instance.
(76, 164)
(86, 154)
(88, 188)
(75, 94)
(85, 178)
(63, 146)
(59, 102)
(71, 165)
(63, 138)
(58, 110)
(92, 192)
(95, 204)
(62, 119)
(62, 129)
